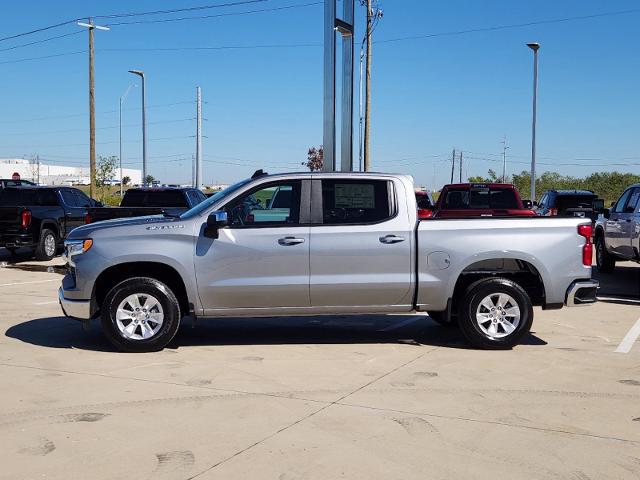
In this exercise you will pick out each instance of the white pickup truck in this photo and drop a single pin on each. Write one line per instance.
(342, 243)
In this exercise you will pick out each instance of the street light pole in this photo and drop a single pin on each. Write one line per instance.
(92, 108)
(140, 73)
(504, 159)
(534, 47)
(122, 98)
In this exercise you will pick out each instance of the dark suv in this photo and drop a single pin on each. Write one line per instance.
(567, 203)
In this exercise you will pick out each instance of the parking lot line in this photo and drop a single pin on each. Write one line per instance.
(629, 339)
(27, 283)
(50, 302)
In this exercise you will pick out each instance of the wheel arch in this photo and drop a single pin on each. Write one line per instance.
(157, 270)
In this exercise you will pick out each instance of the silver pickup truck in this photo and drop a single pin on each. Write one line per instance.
(617, 234)
(351, 243)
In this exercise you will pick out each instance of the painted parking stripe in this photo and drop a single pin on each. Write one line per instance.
(50, 302)
(629, 339)
(27, 283)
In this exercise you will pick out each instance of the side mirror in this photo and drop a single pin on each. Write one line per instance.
(598, 205)
(528, 204)
(216, 221)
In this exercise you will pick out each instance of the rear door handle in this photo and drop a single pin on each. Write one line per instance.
(391, 239)
(287, 241)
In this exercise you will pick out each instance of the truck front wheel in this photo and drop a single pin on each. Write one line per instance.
(47, 245)
(140, 314)
(495, 313)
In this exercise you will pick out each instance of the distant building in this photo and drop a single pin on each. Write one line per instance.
(57, 174)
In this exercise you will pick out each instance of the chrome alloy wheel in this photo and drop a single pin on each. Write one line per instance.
(498, 315)
(139, 316)
(50, 245)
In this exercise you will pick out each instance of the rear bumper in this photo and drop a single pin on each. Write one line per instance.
(79, 309)
(582, 292)
(17, 240)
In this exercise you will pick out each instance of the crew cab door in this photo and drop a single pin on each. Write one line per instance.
(75, 208)
(361, 245)
(258, 262)
(627, 221)
(617, 227)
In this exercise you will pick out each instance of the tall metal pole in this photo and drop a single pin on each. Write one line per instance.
(329, 84)
(360, 119)
(453, 163)
(460, 166)
(504, 159)
(199, 139)
(345, 28)
(140, 73)
(92, 110)
(92, 118)
(534, 47)
(367, 113)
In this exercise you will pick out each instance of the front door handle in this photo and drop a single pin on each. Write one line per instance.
(391, 239)
(287, 241)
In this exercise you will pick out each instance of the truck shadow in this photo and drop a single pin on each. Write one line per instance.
(622, 284)
(60, 332)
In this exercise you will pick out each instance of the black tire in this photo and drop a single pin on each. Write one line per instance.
(605, 262)
(43, 250)
(440, 318)
(142, 286)
(469, 305)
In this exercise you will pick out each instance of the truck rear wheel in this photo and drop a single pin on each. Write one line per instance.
(495, 313)
(604, 260)
(47, 245)
(140, 314)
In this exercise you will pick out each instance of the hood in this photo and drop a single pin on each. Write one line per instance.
(86, 230)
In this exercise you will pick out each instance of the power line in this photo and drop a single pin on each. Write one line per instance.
(37, 30)
(102, 128)
(508, 26)
(22, 45)
(177, 10)
(20, 60)
(203, 17)
(222, 47)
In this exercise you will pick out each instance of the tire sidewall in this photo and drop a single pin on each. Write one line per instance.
(471, 300)
(604, 261)
(141, 285)
(41, 251)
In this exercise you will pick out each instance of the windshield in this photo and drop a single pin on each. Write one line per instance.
(201, 207)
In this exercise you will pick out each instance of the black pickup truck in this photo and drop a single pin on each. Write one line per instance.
(40, 217)
(138, 202)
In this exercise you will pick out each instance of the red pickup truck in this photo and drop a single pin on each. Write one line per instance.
(481, 200)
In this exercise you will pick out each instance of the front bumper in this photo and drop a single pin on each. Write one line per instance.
(582, 292)
(79, 309)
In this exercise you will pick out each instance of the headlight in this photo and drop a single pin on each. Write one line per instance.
(73, 248)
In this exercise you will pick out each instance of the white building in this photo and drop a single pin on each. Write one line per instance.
(57, 174)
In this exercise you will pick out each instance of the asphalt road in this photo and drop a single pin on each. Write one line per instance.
(365, 397)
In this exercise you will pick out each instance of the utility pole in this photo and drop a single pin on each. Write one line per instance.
(453, 163)
(140, 73)
(534, 47)
(367, 95)
(199, 139)
(92, 107)
(460, 166)
(504, 159)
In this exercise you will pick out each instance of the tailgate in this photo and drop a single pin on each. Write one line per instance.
(10, 218)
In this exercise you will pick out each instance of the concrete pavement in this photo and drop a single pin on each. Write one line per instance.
(363, 397)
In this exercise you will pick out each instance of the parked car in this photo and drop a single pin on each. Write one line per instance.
(425, 204)
(138, 202)
(568, 203)
(617, 233)
(8, 182)
(480, 200)
(40, 217)
(350, 243)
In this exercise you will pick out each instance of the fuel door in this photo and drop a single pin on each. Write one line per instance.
(438, 261)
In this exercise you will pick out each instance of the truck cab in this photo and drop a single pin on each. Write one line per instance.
(617, 234)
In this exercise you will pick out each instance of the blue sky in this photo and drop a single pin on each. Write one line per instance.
(264, 105)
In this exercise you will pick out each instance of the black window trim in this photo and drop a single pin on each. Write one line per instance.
(316, 205)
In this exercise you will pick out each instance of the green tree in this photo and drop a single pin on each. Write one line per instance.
(105, 171)
(126, 180)
(149, 179)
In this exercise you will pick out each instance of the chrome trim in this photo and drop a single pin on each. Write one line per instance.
(80, 309)
(575, 287)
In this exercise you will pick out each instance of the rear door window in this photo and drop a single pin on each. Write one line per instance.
(69, 198)
(480, 198)
(356, 201)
